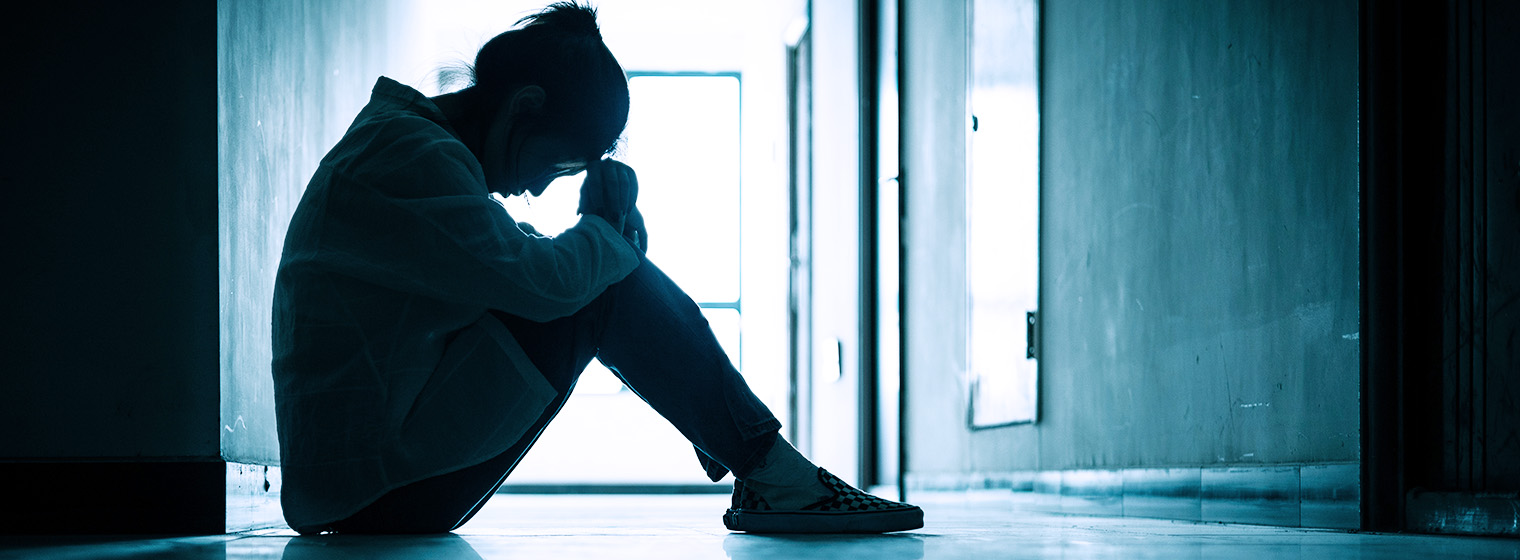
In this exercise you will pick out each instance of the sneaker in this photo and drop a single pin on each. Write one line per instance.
(847, 511)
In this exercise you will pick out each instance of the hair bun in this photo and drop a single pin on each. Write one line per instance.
(567, 17)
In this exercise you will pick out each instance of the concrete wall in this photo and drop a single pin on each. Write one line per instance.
(1199, 272)
(110, 311)
(291, 77)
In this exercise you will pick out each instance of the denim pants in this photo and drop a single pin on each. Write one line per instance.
(654, 337)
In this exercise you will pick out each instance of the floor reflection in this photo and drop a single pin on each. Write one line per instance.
(376, 547)
(873, 547)
(675, 527)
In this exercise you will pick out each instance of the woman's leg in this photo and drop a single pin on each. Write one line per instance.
(560, 349)
(658, 342)
(654, 337)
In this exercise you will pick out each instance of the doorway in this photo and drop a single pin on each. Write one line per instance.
(683, 139)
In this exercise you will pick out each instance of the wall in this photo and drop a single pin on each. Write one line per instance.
(108, 325)
(291, 77)
(1475, 413)
(1501, 238)
(934, 127)
(1199, 272)
(835, 221)
(110, 226)
(1440, 229)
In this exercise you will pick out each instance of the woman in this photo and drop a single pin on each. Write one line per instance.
(423, 339)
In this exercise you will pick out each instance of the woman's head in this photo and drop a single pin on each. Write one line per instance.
(559, 86)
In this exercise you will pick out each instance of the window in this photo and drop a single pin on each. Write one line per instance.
(1002, 212)
(683, 141)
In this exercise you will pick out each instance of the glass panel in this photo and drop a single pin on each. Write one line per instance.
(603, 419)
(683, 141)
(1003, 210)
(725, 327)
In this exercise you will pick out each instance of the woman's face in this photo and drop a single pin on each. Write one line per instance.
(517, 161)
(538, 163)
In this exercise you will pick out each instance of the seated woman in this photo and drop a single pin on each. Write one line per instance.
(423, 339)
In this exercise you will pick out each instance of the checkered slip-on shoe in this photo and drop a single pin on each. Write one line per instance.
(847, 511)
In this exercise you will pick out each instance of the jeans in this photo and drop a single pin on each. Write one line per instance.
(654, 337)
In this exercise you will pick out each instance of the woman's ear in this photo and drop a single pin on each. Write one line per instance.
(527, 99)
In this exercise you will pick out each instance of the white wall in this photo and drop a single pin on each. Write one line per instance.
(934, 127)
(291, 77)
(836, 246)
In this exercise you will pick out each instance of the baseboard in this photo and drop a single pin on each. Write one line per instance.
(1463, 513)
(171, 497)
(115, 497)
(1318, 496)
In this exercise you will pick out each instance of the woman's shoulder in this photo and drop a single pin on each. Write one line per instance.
(387, 143)
(404, 129)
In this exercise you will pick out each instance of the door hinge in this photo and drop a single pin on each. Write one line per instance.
(1030, 335)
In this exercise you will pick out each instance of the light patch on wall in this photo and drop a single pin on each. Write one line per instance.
(830, 360)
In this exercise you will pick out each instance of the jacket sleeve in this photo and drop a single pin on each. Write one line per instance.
(409, 210)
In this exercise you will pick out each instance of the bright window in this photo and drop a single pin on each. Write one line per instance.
(683, 141)
(1002, 212)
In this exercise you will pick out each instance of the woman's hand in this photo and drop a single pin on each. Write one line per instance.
(634, 232)
(610, 191)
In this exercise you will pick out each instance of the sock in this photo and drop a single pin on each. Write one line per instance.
(786, 479)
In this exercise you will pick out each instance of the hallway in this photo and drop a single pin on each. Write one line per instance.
(672, 527)
(1264, 262)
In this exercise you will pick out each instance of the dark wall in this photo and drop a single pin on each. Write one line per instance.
(1199, 257)
(1501, 227)
(1476, 418)
(110, 318)
(1440, 233)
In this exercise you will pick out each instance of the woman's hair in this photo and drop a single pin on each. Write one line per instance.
(559, 49)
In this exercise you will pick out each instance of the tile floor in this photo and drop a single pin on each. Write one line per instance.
(679, 527)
